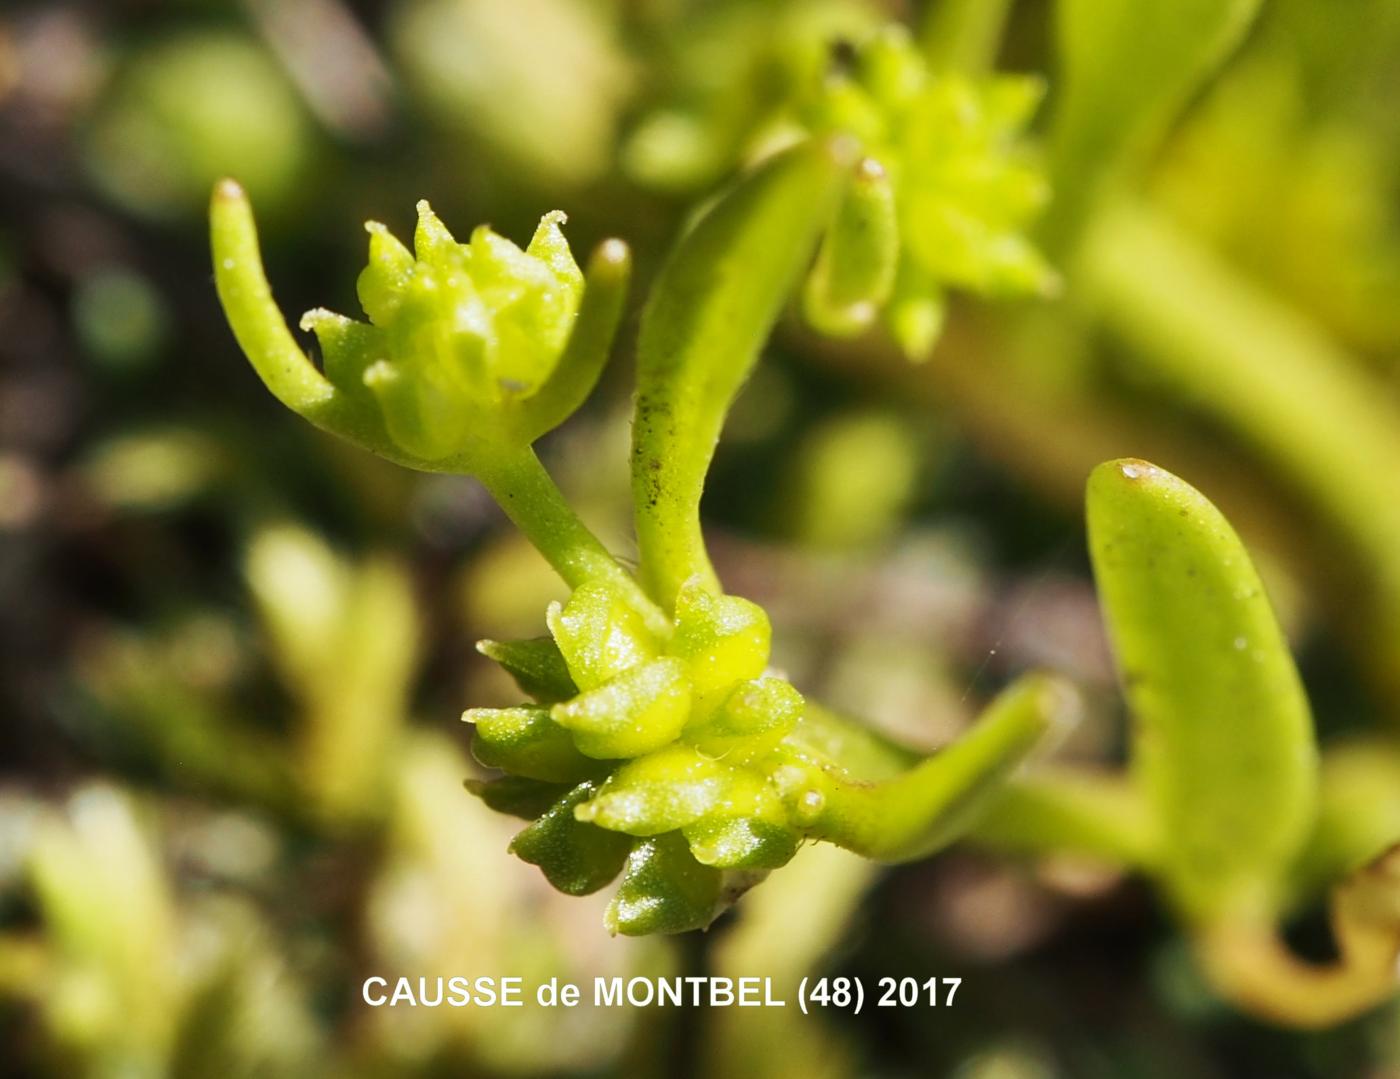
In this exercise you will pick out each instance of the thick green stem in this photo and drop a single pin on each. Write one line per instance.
(531, 499)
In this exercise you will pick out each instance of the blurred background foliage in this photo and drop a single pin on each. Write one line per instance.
(233, 651)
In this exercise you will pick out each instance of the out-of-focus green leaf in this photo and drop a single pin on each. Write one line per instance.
(517, 796)
(537, 84)
(1358, 812)
(637, 712)
(855, 269)
(526, 742)
(189, 108)
(1224, 745)
(964, 35)
(345, 637)
(1127, 67)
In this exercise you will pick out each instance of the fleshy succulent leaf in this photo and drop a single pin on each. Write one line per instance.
(664, 890)
(1225, 748)
(855, 269)
(931, 804)
(517, 796)
(748, 828)
(257, 323)
(659, 792)
(604, 293)
(723, 639)
(750, 721)
(537, 666)
(527, 742)
(600, 634)
(707, 317)
(576, 857)
(637, 712)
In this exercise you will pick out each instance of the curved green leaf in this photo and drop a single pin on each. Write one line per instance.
(590, 342)
(257, 322)
(854, 273)
(913, 814)
(1224, 744)
(708, 315)
(1127, 67)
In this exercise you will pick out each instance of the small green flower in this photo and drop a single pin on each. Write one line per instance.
(459, 333)
(942, 201)
(471, 352)
(469, 348)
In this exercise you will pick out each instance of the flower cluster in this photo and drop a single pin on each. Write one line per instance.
(469, 348)
(457, 332)
(943, 199)
(659, 759)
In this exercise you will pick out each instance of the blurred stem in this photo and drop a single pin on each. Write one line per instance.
(1253, 967)
(1269, 375)
(1062, 809)
(789, 927)
(964, 35)
(531, 499)
(1358, 814)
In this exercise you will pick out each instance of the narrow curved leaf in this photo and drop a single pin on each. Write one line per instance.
(854, 273)
(708, 315)
(263, 335)
(590, 342)
(930, 805)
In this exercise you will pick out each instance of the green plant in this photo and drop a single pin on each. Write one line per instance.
(657, 743)
(1223, 803)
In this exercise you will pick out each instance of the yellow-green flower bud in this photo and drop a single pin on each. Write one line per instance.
(471, 352)
(458, 331)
